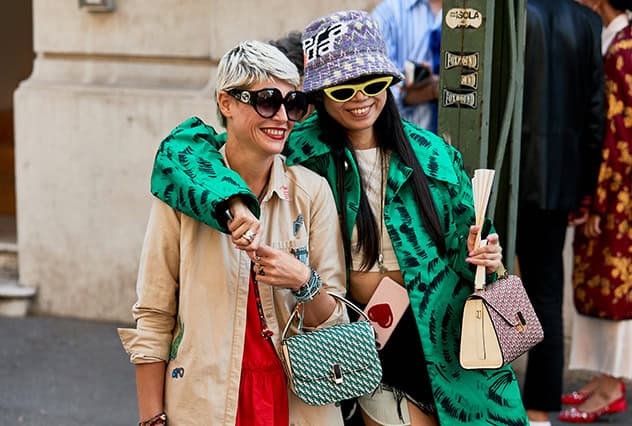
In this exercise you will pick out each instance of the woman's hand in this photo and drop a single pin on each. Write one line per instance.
(278, 268)
(576, 219)
(592, 227)
(244, 227)
(490, 255)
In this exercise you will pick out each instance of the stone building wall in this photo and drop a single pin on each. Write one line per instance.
(105, 89)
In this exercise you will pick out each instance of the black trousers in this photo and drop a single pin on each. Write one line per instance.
(539, 245)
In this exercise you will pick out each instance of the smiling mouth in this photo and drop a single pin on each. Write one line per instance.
(360, 111)
(274, 132)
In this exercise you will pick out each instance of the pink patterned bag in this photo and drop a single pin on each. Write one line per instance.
(499, 324)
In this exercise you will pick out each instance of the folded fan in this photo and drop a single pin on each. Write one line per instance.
(482, 188)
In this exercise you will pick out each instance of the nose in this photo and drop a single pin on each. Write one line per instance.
(359, 96)
(281, 114)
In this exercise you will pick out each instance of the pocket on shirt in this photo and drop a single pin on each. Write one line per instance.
(299, 248)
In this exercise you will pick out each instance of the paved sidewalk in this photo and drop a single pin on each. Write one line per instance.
(67, 372)
(64, 372)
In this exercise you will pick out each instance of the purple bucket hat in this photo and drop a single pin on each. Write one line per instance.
(343, 46)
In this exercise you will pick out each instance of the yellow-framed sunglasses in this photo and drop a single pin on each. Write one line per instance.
(345, 92)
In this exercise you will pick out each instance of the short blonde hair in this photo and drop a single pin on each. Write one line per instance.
(250, 62)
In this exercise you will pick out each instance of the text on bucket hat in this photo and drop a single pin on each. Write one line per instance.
(344, 46)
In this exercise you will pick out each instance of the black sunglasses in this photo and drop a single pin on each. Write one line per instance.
(267, 102)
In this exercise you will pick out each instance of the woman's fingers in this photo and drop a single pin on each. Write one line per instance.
(245, 235)
(243, 225)
(488, 254)
(278, 268)
(471, 238)
(592, 229)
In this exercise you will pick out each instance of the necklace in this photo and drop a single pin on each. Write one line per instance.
(380, 256)
(263, 190)
(266, 333)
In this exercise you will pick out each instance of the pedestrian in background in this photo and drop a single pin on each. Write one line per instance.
(412, 32)
(291, 45)
(601, 339)
(561, 140)
(211, 309)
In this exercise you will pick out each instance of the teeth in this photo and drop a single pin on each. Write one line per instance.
(359, 111)
(274, 132)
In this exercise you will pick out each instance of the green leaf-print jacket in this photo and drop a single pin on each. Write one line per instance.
(189, 175)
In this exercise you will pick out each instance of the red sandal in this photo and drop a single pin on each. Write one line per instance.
(575, 398)
(575, 415)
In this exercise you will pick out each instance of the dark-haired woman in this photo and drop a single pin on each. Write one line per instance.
(602, 276)
(406, 209)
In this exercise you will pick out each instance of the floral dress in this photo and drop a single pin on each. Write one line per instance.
(602, 278)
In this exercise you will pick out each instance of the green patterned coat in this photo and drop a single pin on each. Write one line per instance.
(189, 176)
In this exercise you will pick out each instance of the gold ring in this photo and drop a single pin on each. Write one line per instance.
(261, 271)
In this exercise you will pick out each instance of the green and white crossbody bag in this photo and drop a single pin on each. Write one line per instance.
(331, 364)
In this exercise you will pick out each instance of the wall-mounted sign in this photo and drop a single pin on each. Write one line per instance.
(97, 5)
(454, 60)
(463, 18)
(470, 80)
(452, 99)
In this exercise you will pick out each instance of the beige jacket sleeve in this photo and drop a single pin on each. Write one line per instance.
(326, 249)
(157, 288)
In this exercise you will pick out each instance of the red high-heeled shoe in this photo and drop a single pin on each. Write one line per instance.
(574, 415)
(575, 398)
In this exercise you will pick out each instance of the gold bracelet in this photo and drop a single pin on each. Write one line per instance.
(158, 420)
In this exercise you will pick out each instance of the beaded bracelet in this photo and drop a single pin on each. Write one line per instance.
(157, 420)
(310, 289)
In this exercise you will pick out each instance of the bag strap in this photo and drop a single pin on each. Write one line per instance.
(501, 272)
(300, 314)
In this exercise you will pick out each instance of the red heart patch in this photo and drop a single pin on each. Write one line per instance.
(381, 314)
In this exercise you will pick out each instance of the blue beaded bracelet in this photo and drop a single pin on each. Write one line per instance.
(310, 289)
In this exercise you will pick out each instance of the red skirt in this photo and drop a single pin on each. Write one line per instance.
(263, 399)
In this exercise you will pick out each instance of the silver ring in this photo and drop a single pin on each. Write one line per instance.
(257, 258)
(249, 236)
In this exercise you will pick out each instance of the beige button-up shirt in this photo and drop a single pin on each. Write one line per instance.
(192, 294)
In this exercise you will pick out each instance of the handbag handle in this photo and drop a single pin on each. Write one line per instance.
(300, 321)
(501, 273)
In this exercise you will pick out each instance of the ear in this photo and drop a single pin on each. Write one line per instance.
(226, 104)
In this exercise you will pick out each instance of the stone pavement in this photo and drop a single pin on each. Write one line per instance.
(68, 372)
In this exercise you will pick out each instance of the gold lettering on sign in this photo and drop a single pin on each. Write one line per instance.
(454, 99)
(470, 80)
(463, 18)
(468, 61)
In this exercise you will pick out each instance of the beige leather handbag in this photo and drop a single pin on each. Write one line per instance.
(499, 324)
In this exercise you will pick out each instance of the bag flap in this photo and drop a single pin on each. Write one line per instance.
(351, 347)
(507, 297)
